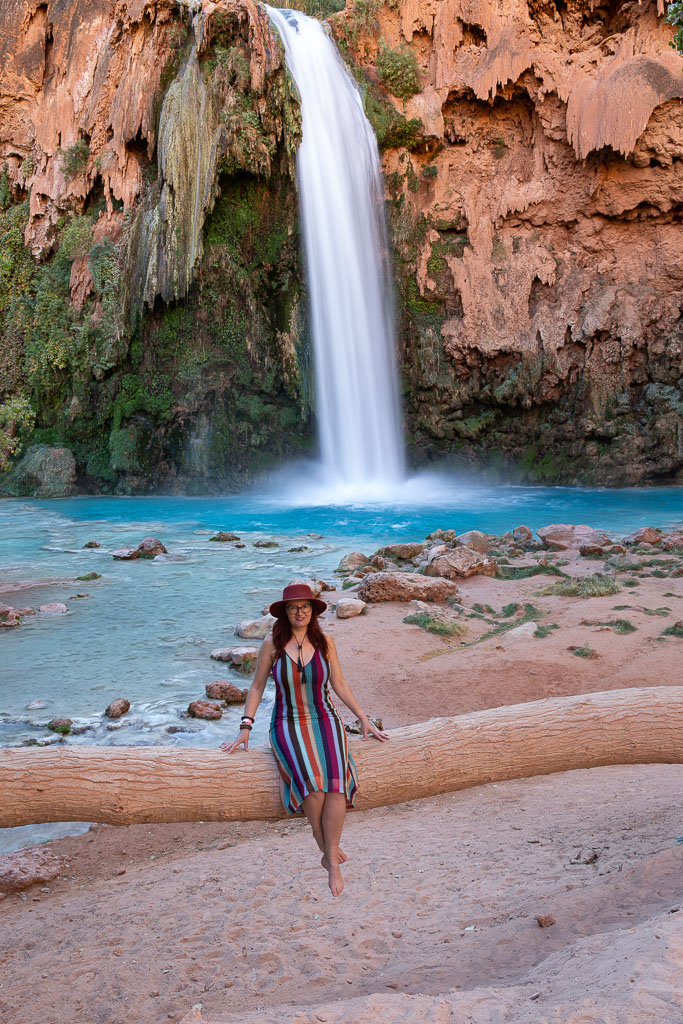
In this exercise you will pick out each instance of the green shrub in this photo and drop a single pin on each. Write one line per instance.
(16, 423)
(674, 16)
(596, 585)
(621, 626)
(524, 572)
(586, 651)
(544, 631)
(675, 630)
(398, 71)
(433, 625)
(5, 190)
(75, 159)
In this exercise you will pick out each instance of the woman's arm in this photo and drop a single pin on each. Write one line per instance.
(264, 664)
(345, 694)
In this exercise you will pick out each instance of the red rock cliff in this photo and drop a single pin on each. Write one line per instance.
(537, 223)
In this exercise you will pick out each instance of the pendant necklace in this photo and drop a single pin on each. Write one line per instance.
(299, 663)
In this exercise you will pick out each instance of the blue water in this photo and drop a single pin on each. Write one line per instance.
(146, 629)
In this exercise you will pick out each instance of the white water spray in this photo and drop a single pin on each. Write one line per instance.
(346, 252)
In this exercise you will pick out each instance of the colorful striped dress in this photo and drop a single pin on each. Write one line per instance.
(307, 734)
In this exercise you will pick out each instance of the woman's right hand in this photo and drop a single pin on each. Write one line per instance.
(243, 738)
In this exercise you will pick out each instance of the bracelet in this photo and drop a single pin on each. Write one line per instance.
(245, 726)
(249, 718)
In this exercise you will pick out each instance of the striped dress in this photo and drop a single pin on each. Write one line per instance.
(307, 734)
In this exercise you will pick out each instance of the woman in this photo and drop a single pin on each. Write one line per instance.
(318, 775)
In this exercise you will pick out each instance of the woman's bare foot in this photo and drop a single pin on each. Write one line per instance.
(336, 882)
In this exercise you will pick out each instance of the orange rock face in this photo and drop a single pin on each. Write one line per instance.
(537, 226)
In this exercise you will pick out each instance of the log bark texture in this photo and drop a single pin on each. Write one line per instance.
(126, 785)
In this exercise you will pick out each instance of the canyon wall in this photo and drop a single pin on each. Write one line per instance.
(536, 210)
(150, 282)
(152, 310)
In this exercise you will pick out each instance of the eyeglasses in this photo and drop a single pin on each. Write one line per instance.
(296, 608)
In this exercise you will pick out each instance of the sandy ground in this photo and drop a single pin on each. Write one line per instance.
(438, 918)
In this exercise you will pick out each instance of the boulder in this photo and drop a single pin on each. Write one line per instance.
(35, 705)
(150, 547)
(349, 607)
(119, 706)
(204, 709)
(404, 586)
(522, 534)
(53, 608)
(566, 537)
(23, 868)
(315, 585)
(243, 657)
(354, 560)
(125, 554)
(646, 535)
(60, 725)
(476, 540)
(43, 472)
(92, 544)
(255, 629)
(402, 552)
(444, 536)
(222, 537)
(672, 541)
(591, 549)
(266, 544)
(223, 689)
(324, 585)
(8, 616)
(460, 561)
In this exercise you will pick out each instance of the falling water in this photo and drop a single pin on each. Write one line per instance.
(346, 251)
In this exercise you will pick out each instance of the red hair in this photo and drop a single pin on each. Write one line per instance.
(282, 633)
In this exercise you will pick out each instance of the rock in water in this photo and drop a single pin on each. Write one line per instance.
(125, 554)
(54, 608)
(222, 537)
(223, 689)
(349, 607)
(405, 586)
(119, 706)
(398, 552)
(92, 544)
(43, 472)
(61, 725)
(462, 561)
(565, 536)
(255, 629)
(150, 547)
(204, 709)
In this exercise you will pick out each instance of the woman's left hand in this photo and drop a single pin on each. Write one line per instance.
(371, 730)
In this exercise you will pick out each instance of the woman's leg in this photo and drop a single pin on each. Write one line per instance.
(332, 820)
(313, 809)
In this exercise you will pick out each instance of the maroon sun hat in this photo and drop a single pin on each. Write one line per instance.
(297, 592)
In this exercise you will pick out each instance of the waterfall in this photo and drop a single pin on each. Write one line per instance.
(346, 254)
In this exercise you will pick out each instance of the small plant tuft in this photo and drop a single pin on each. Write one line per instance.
(595, 585)
(585, 651)
(434, 625)
(75, 159)
(675, 630)
(398, 70)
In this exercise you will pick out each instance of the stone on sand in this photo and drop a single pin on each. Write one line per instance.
(476, 540)
(452, 563)
(566, 536)
(349, 607)
(646, 535)
(405, 586)
(24, 868)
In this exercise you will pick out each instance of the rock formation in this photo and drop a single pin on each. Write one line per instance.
(151, 312)
(537, 215)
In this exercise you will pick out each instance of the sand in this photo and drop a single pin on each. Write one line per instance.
(438, 918)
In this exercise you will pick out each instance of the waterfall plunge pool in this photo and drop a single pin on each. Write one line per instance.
(146, 629)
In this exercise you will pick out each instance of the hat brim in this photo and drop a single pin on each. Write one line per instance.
(278, 607)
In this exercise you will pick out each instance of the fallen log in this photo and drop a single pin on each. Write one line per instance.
(126, 785)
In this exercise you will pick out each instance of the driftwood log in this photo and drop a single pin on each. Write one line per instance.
(126, 785)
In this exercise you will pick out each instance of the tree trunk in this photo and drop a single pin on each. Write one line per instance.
(125, 785)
